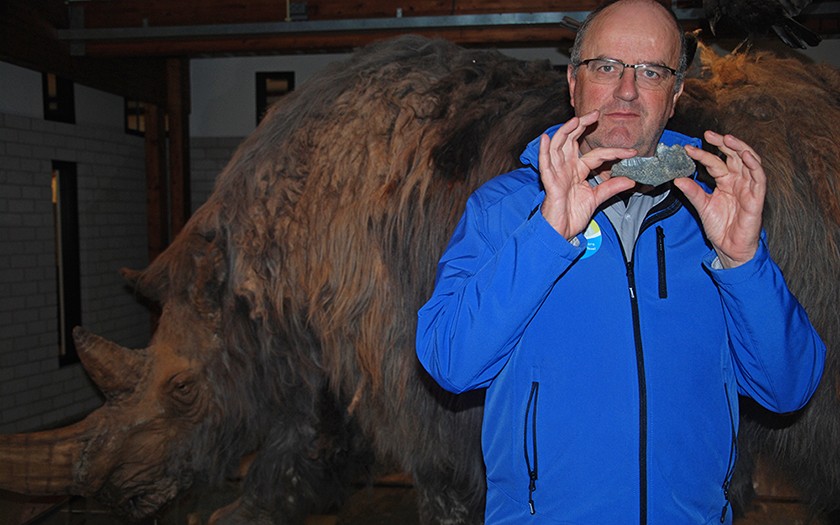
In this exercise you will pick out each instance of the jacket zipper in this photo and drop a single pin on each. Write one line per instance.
(642, 384)
(532, 468)
(660, 262)
(660, 212)
(733, 456)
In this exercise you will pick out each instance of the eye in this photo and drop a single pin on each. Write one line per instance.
(183, 389)
(606, 68)
(651, 73)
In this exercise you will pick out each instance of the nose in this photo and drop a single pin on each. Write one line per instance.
(627, 89)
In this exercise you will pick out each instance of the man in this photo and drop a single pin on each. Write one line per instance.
(614, 339)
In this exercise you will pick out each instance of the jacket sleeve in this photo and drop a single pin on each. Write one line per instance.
(778, 355)
(488, 287)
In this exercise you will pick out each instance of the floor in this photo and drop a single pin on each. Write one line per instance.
(381, 504)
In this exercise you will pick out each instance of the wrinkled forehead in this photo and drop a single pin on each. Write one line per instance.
(634, 32)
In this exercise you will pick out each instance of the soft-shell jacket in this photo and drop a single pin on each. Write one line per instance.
(612, 386)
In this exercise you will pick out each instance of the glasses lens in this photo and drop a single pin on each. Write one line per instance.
(650, 75)
(605, 71)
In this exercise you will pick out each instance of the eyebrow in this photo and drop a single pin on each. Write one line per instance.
(647, 62)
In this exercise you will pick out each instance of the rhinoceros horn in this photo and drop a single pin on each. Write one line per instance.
(115, 369)
(48, 462)
(43, 463)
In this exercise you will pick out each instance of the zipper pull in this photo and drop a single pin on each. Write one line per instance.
(725, 505)
(631, 280)
(532, 486)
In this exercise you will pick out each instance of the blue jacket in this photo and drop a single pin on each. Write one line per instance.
(612, 387)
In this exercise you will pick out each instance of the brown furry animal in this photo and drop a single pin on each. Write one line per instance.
(290, 299)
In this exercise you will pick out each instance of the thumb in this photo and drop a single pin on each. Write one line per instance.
(692, 191)
(611, 187)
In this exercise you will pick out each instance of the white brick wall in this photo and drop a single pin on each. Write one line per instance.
(35, 392)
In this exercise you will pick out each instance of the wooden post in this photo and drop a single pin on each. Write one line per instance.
(157, 216)
(178, 110)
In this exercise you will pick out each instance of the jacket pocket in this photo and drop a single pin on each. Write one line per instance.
(530, 443)
(733, 455)
(660, 262)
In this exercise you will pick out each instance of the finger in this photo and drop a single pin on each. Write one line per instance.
(575, 127)
(611, 187)
(544, 156)
(714, 164)
(734, 148)
(564, 134)
(741, 158)
(756, 173)
(692, 191)
(748, 161)
(738, 145)
(590, 118)
(595, 157)
(732, 155)
(753, 162)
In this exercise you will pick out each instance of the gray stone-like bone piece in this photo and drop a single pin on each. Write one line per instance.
(667, 164)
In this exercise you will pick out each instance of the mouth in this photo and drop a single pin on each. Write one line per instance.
(144, 504)
(141, 506)
(621, 115)
(139, 500)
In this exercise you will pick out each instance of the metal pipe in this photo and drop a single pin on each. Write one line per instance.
(568, 20)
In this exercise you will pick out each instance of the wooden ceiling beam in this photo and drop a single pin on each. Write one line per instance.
(325, 42)
(155, 13)
(28, 39)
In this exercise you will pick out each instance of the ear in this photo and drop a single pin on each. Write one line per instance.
(570, 79)
(676, 97)
(131, 276)
(140, 281)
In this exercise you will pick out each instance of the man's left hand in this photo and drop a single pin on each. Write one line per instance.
(731, 215)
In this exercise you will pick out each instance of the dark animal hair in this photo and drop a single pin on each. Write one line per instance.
(330, 218)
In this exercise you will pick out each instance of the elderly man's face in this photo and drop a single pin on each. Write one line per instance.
(631, 117)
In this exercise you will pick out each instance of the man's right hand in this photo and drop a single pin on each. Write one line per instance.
(570, 201)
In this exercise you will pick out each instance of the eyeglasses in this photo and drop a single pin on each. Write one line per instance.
(610, 71)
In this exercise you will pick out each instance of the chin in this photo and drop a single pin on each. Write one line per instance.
(617, 138)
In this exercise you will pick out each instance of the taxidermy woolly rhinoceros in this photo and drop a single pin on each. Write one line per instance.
(289, 300)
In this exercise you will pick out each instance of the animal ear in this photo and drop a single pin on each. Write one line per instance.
(142, 284)
(132, 276)
(692, 40)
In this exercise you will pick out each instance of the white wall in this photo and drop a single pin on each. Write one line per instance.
(223, 92)
(99, 109)
(21, 95)
(20, 91)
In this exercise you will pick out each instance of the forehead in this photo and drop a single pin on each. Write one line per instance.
(633, 32)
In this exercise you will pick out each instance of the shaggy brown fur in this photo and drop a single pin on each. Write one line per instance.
(319, 243)
(331, 217)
